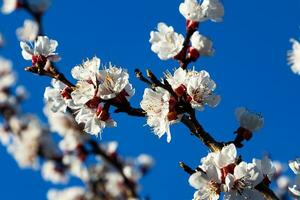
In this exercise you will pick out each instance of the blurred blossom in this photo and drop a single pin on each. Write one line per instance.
(72, 193)
(7, 76)
(294, 56)
(28, 32)
(52, 172)
(249, 120)
(9, 6)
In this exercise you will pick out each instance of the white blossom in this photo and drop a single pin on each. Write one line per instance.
(5, 136)
(43, 48)
(54, 96)
(241, 183)
(9, 6)
(28, 32)
(72, 193)
(249, 120)
(165, 42)
(295, 189)
(7, 77)
(220, 172)
(294, 56)
(200, 11)
(25, 149)
(200, 88)
(156, 105)
(208, 188)
(114, 183)
(226, 156)
(198, 85)
(51, 172)
(94, 86)
(114, 80)
(202, 44)
(295, 166)
(265, 166)
(145, 161)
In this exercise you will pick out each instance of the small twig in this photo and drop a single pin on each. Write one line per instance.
(186, 168)
(52, 74)
(266, 191)
(198, 131)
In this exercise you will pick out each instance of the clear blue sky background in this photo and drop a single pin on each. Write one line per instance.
(249, 67)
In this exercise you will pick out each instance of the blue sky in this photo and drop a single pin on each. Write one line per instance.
(249, 67)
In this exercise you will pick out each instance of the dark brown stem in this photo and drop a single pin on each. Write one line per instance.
(186, 168)
(198, 131)
(50, 73)
(266, 191)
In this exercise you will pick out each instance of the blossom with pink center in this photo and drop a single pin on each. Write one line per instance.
(43, 49)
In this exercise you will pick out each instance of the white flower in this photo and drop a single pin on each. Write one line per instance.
(92, 121)
(114, 182)
(28, 32)
(9, 6)
(156, 105)
(213, 10)
(114, 81)
(39, 6)
(226, 156)
(266, 167)
(295, 166)
(200, 88)
(145, 161)
(165, 42)
(283, 182)
(207, 187)
(198, 85)
(295, 189)
(191, 10)
(72, 193)
(249, 120)
(5, 136)
(202, 44)
(56, 96)
(42, 49)
(198, 12)
(294, 56)
(51, 172)
(7, 77)
(88, 71)
(93, 87)
(241, 183)
(25, 149)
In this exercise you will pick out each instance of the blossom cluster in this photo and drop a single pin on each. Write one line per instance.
(169, 44)
(224, 172)
(195, 88)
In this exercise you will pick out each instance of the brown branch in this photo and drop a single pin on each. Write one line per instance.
(53, 73)
(197, 130)
(266, 191)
